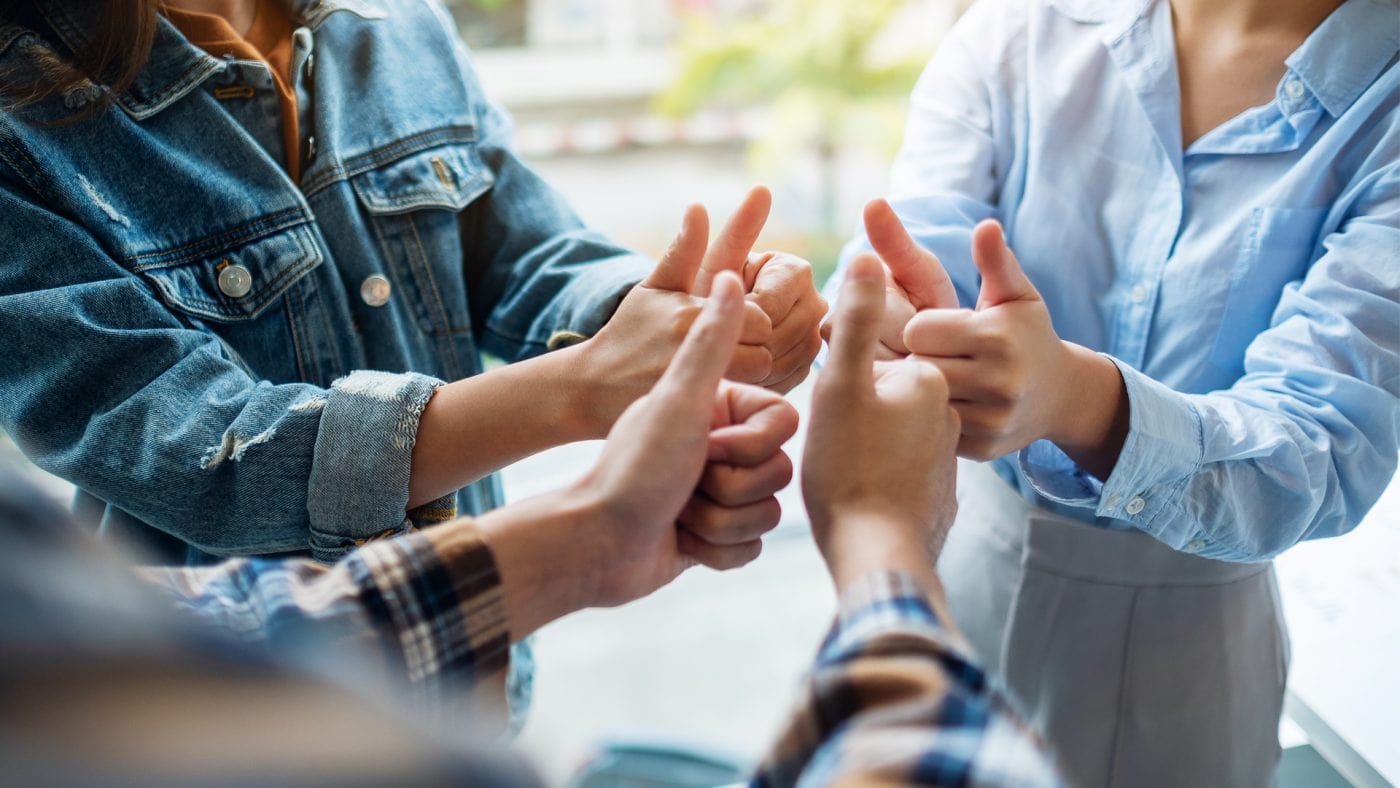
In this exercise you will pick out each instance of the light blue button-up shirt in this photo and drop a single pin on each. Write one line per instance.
(1248, 287)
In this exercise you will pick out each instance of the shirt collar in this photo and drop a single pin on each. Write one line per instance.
(1347, 52)
(1121, 12)
(175, 67)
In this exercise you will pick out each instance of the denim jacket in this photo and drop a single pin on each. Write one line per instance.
(228, 363)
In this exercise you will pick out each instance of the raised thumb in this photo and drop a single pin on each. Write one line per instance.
(1002, 277)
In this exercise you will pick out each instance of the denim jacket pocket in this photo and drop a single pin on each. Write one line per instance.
(1278, 248)
(231, 278)
(413, 205)
(447, 177)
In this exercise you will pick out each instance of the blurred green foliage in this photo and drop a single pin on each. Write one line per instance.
(820, 66)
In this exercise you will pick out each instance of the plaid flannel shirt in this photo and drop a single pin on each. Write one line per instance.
(894, 699)
(423, 607)
(893, 696)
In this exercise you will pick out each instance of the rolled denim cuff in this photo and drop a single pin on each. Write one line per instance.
(364, 452)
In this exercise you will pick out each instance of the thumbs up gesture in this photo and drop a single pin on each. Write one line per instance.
(626, 358)
(914, 280)
(1010, 377)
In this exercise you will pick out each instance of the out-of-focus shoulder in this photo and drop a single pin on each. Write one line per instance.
(1096, 11)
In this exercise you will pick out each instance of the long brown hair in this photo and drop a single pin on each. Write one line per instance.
(119, 44)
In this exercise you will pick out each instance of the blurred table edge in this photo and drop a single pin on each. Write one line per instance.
(1342, 757)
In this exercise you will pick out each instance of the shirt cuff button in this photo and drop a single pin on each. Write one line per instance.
(1135, 506)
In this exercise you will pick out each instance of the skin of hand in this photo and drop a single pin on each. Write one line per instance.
(1011, 378)
(914, 279)
(613, 537)
(576, 393)
(626, 357)
(736, 501)
(879, 470)
(783, 287)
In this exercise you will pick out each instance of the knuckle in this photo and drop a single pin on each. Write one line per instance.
(979, 452)
(705, 522)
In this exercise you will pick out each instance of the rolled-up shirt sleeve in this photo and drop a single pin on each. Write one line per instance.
(895, 699)
(1300, 447)
(423, 608)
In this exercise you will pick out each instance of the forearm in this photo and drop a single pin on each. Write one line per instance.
(864, 546)
(478, 425)
(543, 554)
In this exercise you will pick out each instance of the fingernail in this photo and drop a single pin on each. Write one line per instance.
(727, 286)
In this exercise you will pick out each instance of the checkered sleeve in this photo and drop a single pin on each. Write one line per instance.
(895, 699)
(424, 608)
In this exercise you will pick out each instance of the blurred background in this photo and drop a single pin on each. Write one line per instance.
(636, 108)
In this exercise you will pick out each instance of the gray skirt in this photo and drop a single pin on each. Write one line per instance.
(1141, 665)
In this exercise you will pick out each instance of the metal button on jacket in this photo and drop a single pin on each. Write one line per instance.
(235, 281)
(375, 290)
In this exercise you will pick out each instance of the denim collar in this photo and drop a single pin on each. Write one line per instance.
(176, 67)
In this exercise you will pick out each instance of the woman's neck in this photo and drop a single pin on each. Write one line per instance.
(239, 13)
(1236, 17)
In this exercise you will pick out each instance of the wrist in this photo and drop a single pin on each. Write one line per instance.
(856, 543)
(541, 550)
(1093, 421)
(1078, 419)
(578, 389)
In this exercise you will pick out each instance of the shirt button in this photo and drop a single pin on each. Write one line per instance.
(1138, 294)
(235, 281)
(1135, 506)
(310, 65)
(1195, 546)
(310, 147)
(375, 290)
(1113, 501)
(1293, 88)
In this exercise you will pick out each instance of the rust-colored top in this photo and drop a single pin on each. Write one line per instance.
(270, 41)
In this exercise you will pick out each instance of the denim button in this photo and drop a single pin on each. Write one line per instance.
(1195, 546)
(310, 147)
(1138, 294)
(310, 66)
(235, 281)
(1135, 506)
(375, 290)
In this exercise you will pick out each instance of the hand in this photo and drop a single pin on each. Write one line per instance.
(735, 501)
(625, 358)
(878, 474)
(613, 536)
(782, 286)
(914, 279)
(655, 457)
(1011, 379)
